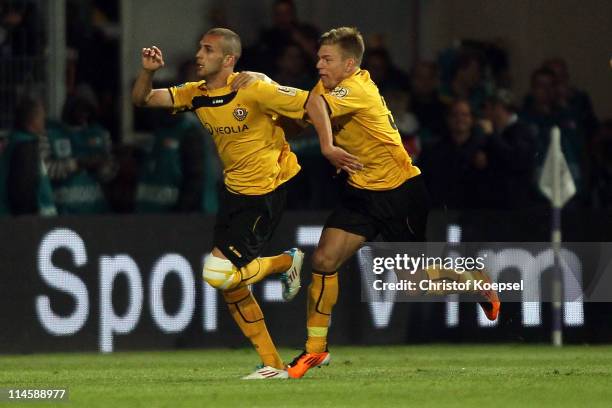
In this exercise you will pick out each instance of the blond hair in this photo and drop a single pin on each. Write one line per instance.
(349, 40)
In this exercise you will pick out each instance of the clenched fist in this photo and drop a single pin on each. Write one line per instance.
(152, 59)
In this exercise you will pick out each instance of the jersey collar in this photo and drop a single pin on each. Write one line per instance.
(230, 79)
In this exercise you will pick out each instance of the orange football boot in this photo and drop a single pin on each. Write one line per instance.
(305, 361)
(492, 305)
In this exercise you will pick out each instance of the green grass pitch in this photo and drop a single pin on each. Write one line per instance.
(401, 376)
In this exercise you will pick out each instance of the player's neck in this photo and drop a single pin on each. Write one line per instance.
(219, 80)
(345, 76)
(350, 73)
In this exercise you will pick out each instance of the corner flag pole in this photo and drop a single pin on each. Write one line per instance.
(557, 326)
(557, 184)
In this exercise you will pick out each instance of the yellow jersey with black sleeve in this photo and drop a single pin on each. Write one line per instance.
(363, 126)
(252, 146)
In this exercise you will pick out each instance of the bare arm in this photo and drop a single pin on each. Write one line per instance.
(143, 93)
(317, 112)
(315, 106)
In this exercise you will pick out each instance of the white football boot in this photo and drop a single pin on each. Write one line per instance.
(267, 373)
(291, 278)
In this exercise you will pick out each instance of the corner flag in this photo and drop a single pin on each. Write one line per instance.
(557, 184)
(556, 181)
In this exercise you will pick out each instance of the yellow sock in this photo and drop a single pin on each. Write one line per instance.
(322, 296)
(259, 268)
(249, 317)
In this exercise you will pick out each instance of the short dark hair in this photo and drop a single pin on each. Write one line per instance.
(231, 44)
(504, 98)
(458, 101)
(543, 72)
(430, 65)
(289, 3)
(464, 60)
(25, 109)
(76, 108)
(349, 39)
(381, 53)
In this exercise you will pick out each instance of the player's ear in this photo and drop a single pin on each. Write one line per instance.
(229, 60)
(350, 64)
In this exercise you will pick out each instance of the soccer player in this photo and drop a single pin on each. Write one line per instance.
(257, 163)
(387, 197)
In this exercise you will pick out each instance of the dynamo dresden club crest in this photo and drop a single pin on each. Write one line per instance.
(240, 114)
(340, 92)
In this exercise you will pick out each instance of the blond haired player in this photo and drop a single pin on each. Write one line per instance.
(257, 163)
(387, 197)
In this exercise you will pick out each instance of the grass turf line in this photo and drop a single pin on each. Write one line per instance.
(420, 376)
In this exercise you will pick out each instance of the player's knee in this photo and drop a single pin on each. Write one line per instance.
(219, 273)
(324, 261)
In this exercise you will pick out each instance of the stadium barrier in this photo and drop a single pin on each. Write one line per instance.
(112, 283)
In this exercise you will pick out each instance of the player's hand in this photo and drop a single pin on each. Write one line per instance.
(246, 78)
(342, 160)
(152, 59)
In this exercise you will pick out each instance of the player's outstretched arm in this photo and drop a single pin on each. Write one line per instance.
(143, 93)
(338, 157)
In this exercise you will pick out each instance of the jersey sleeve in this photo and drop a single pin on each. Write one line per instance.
(283, 100)
(182, 95)
(343, 99)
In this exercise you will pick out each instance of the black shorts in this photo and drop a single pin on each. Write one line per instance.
(245, 223)
(399, 215)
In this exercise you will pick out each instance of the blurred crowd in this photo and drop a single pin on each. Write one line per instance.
(478, 144)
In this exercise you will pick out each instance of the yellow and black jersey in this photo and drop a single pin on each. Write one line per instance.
(255, 155)
(363, 126)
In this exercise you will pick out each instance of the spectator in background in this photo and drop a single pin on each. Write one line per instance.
(577, 103)
(540, 112)
(293, 68)
(80, 159)
(313, 188)
(27, 189)
(171, 176)
(383, 72)
(425, 97)
(176, 167)
(398, 102)
(465, 82)
(21, 29)
(494, 61)
(91, 35)
(455, 168)
(510, 154)
(22, 61)
(286, 29)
